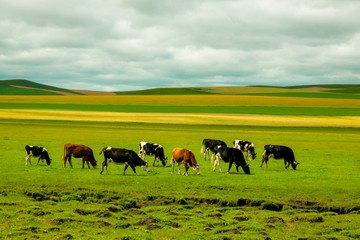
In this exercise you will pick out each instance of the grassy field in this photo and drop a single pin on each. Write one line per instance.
(320, 200)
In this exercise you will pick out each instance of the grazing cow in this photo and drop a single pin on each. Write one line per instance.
(79, 151)
(121, 155)
(155, 149)
(185, 156)
(246, 146)
(210, 144)
(232, 155)
(36, 151)
(279, 152)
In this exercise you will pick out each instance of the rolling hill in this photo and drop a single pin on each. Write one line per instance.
(26, 87)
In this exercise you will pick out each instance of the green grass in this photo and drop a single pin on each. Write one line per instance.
(318, 200)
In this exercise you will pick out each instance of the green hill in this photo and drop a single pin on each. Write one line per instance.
(26, 87)
(351, 91)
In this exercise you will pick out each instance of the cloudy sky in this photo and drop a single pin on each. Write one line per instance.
(138, 44)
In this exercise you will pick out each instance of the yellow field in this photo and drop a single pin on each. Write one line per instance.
(188, 100)
(185, 118)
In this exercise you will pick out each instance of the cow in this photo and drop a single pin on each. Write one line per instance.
(36, 151)
(186, 157)
(79, 151)
(246, 146)
(122, 156)
(155, 149)
(210, 144)
(232, 155)
(279, 152)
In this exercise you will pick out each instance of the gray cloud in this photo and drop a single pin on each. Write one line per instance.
(137, 44)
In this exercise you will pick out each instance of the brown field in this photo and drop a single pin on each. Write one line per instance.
(186, 118)
(187, 100)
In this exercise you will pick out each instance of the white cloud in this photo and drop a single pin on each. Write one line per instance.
(134, 44)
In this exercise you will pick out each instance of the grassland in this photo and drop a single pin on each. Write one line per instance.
(320, 200)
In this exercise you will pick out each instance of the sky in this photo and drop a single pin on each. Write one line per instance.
(121, 45)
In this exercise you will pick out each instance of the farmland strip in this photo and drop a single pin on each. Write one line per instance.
(186, 118)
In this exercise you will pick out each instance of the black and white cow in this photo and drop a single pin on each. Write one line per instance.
(231, 155)
(246, 146)
(122, 156)
(36, 151)
(209, 145)
(279, 152)
(155, 149)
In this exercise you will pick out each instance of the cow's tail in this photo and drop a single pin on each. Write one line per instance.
(102, 150)
(202, 148)
(65, 152)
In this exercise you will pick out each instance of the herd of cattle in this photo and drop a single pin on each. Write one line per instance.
(180, 156)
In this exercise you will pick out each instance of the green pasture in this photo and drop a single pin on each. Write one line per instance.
(320, 200)
(338, 95)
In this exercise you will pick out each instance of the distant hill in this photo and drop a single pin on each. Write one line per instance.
(26, 87)
(340, 91)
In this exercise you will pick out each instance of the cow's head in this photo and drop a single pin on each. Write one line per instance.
(294, 164)
(45, 155)
(145, 166)
(196, 168)
(252, 152)
(246, 169)
(93, 162)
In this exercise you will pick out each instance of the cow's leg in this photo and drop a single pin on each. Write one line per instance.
(28, 159)
(39, 160)
(179, 172)
(172, 165)
(286, 167)
(87, 162)
(104, 165)
(126, 166)
(230, 164)
(217, 163)
(206, 153)
(186, 169)
(265, 159)
(133, 168)
(69, 159)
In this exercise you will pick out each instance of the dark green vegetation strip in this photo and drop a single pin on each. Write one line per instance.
(339, 95)
(298, 111)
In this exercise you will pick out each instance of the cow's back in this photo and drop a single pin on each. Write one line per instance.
(77, 150)
(179, 154)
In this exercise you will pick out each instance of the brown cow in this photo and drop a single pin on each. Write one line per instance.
(79, 151)
(181, 155)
